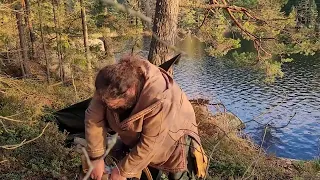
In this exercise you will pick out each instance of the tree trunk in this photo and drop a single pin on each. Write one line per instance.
(85, 43)
(30, 28)
(43, 43)
(317, 23)
(146, 8)
(58, 39)
(23, 44)
(165, 27)
(109, 54)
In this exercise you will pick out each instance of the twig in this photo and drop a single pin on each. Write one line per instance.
(9, 119)
(16, 114)
(287, 122)
(88, 162)
(111, 142)
(260, 150)
(4, 127)
(56, 84)
(268, 111)
(210, 156)
(3, 161)
(14, 146)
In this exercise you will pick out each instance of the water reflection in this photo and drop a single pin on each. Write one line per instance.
(243, 94)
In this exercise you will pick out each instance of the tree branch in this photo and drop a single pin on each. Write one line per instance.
(3, 161)
(14, 146)
(4, 127)
(9, 119)
(111, 142)
(230, 10)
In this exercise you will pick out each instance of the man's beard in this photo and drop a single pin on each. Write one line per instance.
(130, 103)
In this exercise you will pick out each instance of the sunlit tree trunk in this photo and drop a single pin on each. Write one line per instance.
(30, 28)
(165, 27)
(109, 54)
(85, 43)
(43, 43)
(23, 43)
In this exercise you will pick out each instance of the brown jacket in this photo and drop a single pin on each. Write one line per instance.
(162, 115)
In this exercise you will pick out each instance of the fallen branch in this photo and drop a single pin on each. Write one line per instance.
(91, 167)
(266, 112)
(3, 161)
(287, 122)
(14, 146)
(10, 119)
(4, 127)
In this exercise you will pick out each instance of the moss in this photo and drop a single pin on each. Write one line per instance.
(46, 157)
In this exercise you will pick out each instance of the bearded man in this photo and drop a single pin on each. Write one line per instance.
(153, 118)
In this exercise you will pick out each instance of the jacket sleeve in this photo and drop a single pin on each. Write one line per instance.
(95, 128)
(154, 132)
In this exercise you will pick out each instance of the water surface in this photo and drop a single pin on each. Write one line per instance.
(243, 93)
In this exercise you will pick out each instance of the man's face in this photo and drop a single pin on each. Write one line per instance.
(124, 103)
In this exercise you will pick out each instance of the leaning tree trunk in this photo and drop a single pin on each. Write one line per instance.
(23, 44)
(164, 28)
(85, 43)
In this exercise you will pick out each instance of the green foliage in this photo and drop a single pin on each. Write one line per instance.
(245, 3)
(244, 58)
(46, 157)
(188, 18)
(228, 168)
(285, 33)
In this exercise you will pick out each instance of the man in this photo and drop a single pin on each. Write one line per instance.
(152, 116)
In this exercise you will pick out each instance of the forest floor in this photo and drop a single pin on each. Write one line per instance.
(34, 149)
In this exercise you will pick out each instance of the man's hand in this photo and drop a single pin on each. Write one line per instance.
(98, 169)
(115, 175)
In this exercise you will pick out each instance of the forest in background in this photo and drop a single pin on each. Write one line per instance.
(51, 49)
(65, 38)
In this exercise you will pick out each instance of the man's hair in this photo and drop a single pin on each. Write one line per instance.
(114, 80)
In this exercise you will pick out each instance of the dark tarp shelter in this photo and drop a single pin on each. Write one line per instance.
(71, 119)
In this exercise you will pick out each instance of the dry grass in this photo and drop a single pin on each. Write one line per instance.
(27, 101)
(234, 156)
(48, 158)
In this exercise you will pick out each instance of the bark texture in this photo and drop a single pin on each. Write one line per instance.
(23, 42)
(165, 28)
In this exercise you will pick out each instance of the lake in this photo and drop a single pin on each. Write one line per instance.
(244, 94)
